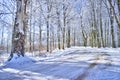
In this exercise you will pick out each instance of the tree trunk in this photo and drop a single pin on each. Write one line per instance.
(40, 38)
(2, 37)
(30, 38)
(64, 25)
(112, 28)
(74, 38)
(116, 18)
(118, 3)
(101, 27)
(33, 38)
(68, 37)
(58, 24)
(49, 7)
(19, 30)
(47, 36)
(63, 34)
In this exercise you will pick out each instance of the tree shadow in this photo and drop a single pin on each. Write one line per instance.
(55, 69)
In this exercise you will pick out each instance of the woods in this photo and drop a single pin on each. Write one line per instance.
(60, 39)
(37, 25)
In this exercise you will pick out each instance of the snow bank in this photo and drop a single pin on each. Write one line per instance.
(61, 52)
(17, 61)
(75, 63)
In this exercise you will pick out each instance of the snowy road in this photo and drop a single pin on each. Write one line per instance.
(77, 64)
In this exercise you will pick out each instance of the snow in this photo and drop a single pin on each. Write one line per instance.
(75, 63)
(17, 61)
(16, 39)
(21, 31)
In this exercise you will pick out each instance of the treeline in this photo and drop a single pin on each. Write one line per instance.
(63, 23)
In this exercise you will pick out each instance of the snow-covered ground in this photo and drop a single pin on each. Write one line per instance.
(75, 63)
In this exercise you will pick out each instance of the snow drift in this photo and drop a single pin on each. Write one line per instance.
(17, 61)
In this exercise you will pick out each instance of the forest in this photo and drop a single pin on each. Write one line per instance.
(37, 27)
(50, 24)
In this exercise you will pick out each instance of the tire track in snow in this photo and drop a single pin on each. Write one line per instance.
(92, 65)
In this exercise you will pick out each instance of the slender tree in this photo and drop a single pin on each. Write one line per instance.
(49, 7)
(58, 23)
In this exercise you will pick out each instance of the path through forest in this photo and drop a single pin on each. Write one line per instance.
(75, 65)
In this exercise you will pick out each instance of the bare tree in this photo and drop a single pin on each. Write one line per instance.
(112, 27)
(49, 7)
(58, 23)
(64, 23)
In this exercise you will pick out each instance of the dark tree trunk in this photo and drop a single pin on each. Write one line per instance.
(64, 25)
(112, 28)
(47, 36)
(68, 39)
(58, 26)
